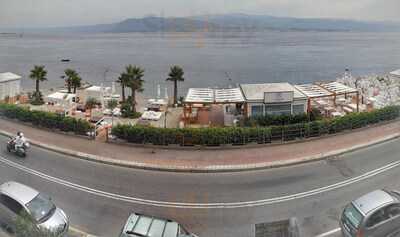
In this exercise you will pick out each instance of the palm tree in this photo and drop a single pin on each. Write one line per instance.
(176, 74)
(38, 73)
(71, 77)
(123, 81)
(76, 82)
(134, 75)
(111, 105)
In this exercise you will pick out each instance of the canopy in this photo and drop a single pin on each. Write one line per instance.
(9, 76)
(313, 91)
(337, 88)
(59, 96)
(214, 96)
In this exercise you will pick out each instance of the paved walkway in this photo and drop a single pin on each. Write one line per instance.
(208, 159)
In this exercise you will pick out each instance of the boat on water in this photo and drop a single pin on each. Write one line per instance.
(65, 60)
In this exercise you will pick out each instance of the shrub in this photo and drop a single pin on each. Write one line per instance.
(45, 119)
(127, 112)
(36, 98)
(276, 120)
(246, 135)
(25, 227)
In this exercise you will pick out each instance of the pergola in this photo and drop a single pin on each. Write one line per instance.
(325, 90)
(207, 96)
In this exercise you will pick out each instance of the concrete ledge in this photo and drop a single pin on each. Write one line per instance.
(211, 168)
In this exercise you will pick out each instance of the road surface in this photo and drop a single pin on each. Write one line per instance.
(98, 198)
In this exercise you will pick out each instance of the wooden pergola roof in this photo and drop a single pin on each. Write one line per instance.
(214, 96)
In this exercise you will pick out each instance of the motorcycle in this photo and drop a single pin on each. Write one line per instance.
(20, 151)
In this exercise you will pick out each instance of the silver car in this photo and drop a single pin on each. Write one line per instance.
(16, 198)
(139, 225)
(376, 214)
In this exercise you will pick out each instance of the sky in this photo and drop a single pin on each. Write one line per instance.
(44, 13)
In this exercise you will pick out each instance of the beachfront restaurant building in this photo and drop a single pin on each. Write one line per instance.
(273, 99)
(10, 85)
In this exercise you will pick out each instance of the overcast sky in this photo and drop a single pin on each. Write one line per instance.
(33, 13)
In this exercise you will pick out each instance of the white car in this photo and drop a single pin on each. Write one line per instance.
(16, 198)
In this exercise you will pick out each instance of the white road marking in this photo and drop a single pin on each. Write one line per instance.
(329, 233)
(221, 205)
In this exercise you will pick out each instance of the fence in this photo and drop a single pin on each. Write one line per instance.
(250, 135)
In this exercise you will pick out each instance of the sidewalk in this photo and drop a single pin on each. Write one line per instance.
(207, 160)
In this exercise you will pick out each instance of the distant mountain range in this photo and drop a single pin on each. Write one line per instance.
(229, 22)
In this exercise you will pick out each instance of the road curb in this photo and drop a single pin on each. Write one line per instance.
(211, 168)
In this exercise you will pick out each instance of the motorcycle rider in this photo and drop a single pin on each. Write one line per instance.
(19, 140)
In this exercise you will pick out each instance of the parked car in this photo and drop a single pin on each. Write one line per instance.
(139, 225)
(16, 198)
(376, 214)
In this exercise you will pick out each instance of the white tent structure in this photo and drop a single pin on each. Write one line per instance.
(60, 98)
(10, 85)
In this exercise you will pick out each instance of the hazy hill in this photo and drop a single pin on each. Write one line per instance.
(228, 22)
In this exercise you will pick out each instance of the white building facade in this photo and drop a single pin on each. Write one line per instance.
(10, 85)
(273, 99)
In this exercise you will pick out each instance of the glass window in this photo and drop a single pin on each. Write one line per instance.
(41, 207)
(352, 215)
(298, 109)
(393, 210)
(11, 204)
(378, 217)
(257, 110)
(280, 109)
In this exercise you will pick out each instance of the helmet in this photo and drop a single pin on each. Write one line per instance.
(19, 134)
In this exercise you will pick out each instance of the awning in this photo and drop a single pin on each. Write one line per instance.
(337, 88)
(214, 96)
(313, 91)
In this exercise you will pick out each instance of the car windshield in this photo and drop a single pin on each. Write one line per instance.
(41, 207)
(352, 215)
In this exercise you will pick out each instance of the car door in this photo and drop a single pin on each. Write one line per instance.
(376, 224)
(392, 224)
(9, 210)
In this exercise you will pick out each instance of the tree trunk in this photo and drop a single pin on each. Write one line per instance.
(175, 92)
(37, 86)
(123, 93)
(69, 87)
(133, 100)
(74, 89)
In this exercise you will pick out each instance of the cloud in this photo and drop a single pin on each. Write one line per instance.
(28, 13)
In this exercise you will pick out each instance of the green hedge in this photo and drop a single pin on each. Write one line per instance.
(45, 119)
(246, 135)
(278, 120)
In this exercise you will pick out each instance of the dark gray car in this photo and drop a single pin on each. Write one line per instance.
(376, 214)
(139, 225)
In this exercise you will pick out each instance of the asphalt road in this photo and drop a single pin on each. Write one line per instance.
(98, 198)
